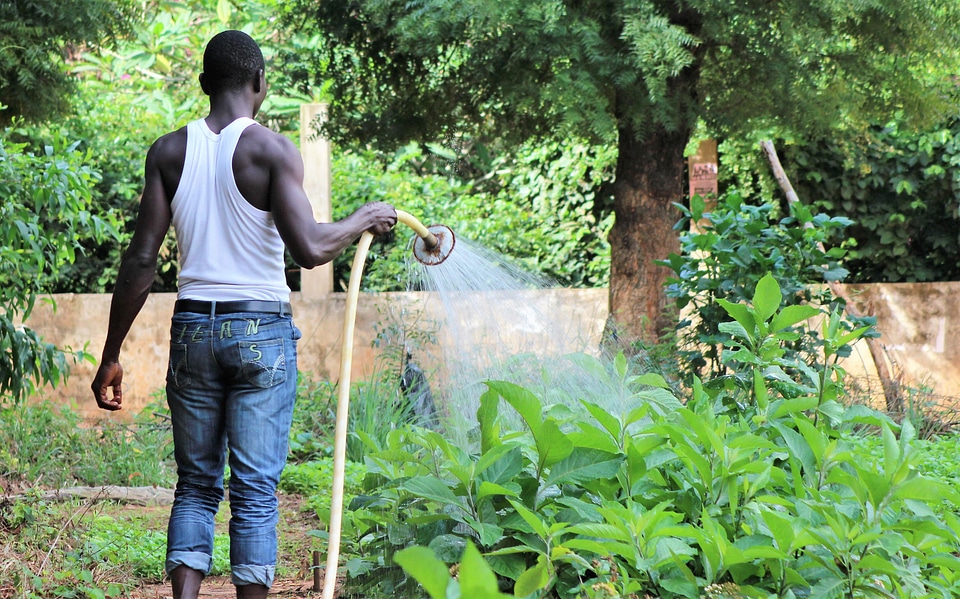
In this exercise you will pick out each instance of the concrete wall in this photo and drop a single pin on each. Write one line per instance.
(920, 324)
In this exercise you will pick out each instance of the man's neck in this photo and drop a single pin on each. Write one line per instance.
(226, 108)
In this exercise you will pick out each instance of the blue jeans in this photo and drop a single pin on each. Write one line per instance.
(231, 386)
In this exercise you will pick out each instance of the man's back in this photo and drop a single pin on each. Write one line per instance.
(230, 249)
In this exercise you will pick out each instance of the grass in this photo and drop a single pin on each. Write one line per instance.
(99, 548)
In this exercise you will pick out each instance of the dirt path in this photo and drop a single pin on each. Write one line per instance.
(220, 587)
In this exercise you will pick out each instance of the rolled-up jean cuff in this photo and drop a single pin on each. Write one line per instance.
(191, 559)
(241, 575)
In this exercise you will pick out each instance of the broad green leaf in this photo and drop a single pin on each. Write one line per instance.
(448, 548)
(651, 379)
(420, 563)
(767, 297)
(489, 534)
(488, 416)
(501, 464)
(781, 529)
(593, 437)
(791, 315)
(742, 315)
(523, 401)
(431, 487)
(794, 406)
(552, 444)
(891, 450)
(477, 580)
(584, 465)
(533, 580)
(530, 518)
(814, 436)
(488, 489)
(606, 420)
(799, 448)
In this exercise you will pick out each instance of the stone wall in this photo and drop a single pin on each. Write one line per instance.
(920, 326)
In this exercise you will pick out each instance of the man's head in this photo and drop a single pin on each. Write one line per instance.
(231, 61)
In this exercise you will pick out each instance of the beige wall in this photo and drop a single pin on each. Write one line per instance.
(920, 324)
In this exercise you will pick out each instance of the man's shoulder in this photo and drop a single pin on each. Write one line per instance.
(265, 135)
(172, 145)
(266, 144)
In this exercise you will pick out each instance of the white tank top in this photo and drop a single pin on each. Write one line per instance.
(229, 250)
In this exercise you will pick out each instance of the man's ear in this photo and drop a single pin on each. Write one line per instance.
(203, 84)
(258, 81)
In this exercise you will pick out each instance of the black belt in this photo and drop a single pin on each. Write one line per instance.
(214, 308)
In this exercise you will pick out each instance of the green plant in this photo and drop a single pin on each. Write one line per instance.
(47, 208)
(726, 249)
(125, 543)
(36, 36)
(474, 577)
(748, 488)
(45, 444)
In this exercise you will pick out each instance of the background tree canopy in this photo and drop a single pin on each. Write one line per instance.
(641, 72)
(36, 36)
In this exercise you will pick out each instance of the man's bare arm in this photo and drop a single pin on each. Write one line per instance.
(135, 277)
(311, 243)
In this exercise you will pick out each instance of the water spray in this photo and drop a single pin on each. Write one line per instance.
(431, 247)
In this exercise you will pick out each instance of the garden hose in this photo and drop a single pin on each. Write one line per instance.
(431, 247)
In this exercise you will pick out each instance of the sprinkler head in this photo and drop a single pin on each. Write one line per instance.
(434, 251)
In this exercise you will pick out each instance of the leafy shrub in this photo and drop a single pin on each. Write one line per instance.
(897, 186)
(731, 247)
(900, 189)
(748, 489)
(46, 210)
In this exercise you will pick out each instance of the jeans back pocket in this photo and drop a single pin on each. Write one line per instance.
(262, 362)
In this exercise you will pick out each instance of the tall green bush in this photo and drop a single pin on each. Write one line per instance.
(726, 248)
(47, 209)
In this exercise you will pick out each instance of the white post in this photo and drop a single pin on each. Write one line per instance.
(316, 283)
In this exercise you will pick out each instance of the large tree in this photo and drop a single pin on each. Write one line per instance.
(37, 36)
(639, 73)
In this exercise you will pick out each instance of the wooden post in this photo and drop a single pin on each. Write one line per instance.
(703, 172)
(891, 392)
(316, 283)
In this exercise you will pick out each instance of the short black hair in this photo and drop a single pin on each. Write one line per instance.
(231, 60)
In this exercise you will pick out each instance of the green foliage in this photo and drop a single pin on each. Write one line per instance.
(47, 209)
(41, 442)
(538, 206)
(37, 36)
(750, 490)
(403, 71)
(475, 579)
(901, 190)
(121, 543)
(730, 249)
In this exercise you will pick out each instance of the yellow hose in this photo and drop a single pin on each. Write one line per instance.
(343, 396)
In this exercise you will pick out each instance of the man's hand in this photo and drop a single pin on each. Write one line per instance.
(382, 217)
(110, 374)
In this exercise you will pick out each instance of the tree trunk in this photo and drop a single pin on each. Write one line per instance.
(649, 180)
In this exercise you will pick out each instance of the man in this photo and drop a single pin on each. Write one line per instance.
(233, 191)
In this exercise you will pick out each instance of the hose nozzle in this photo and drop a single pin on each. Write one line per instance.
(433, 244)
(434, 248)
